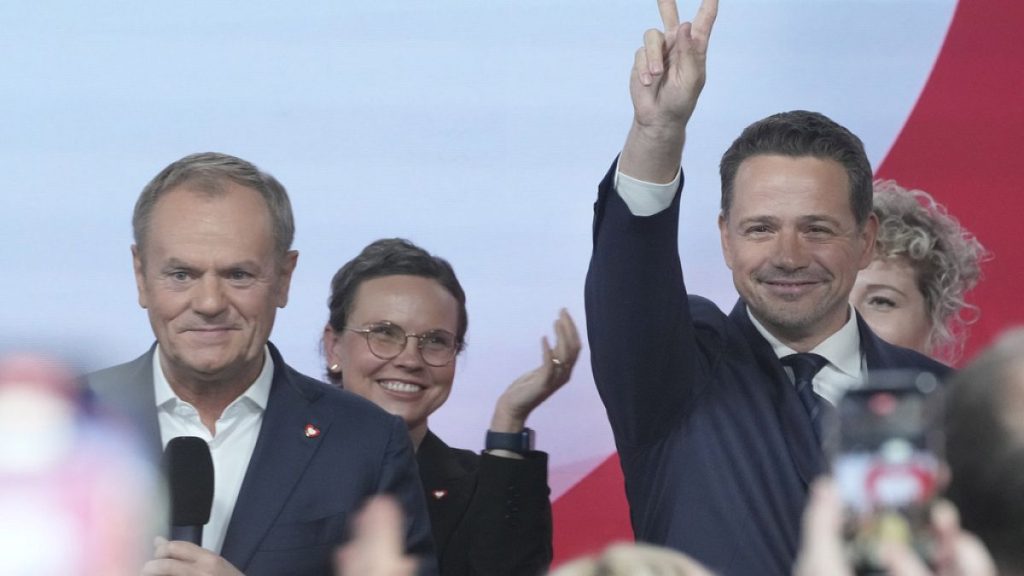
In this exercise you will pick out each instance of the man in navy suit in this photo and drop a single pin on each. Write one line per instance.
(716, 417)
(293, 458)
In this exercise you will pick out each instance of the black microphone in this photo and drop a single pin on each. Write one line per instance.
(189, 470)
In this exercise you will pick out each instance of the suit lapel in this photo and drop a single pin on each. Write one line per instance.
(145, 397)
(876, 356)
(804, 447)
(880, 355)
(128, 390)
(448, 486)
(282, 452)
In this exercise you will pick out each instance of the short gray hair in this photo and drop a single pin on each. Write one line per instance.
(945, 257)
(208, 171)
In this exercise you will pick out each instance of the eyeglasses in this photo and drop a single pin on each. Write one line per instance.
(386, 341)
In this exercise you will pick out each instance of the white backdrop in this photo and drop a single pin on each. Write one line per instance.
(476, 129)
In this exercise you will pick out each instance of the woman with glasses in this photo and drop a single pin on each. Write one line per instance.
(397, 324)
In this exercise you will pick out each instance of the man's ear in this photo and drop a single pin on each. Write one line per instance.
(140, 275)
(287, 266)
(723, 233)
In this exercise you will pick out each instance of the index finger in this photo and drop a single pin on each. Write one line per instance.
(669, 15)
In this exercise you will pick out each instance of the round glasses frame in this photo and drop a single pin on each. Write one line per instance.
(385, 340)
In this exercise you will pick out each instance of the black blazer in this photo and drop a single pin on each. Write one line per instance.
(716, 449)
(491, 516)
(298, 493)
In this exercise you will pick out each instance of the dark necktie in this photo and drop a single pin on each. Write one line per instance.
(805, 365)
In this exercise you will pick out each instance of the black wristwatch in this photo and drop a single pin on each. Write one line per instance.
(520, 442)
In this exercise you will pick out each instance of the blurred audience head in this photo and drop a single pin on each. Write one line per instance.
(628, 559)
(76, 494)
(913, 293)
(985, 449)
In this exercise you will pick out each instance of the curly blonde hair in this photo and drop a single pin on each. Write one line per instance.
(945, 257)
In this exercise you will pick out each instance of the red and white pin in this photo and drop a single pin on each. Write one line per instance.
(311, 431)
(438, 494)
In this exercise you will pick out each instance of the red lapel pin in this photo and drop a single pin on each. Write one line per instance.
(311, 431)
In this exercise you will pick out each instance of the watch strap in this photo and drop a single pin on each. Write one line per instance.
(520, 442)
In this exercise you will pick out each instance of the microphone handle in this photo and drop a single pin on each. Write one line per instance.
(193, 534)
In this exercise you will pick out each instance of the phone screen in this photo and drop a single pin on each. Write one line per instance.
(886, 460)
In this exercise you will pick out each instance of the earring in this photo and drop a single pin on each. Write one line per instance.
(334, 369)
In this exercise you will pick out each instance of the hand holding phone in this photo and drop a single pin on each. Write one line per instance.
(822, 548)
(886, 451)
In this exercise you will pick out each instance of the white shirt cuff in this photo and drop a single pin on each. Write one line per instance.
(645, 198)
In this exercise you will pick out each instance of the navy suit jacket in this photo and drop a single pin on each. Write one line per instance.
(299, 493)
(716, 449)
(491, 516)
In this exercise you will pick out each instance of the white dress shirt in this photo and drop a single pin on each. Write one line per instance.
(842, 349)
(231, 447)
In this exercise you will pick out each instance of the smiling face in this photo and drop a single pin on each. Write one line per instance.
(404, 385)
(887, 296)
(793, 245)
(212, 283)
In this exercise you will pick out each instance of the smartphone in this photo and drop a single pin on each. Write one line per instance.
(886, 455)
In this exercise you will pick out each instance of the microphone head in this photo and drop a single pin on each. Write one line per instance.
(189, 470)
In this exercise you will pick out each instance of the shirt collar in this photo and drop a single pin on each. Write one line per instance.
(257, 393)
(841, 349)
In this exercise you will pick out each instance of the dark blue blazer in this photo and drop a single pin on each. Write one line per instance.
(491, 516)
(716, 449)
(299, 493)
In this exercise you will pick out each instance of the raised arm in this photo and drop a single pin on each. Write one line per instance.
(643, 349)
(666, 80)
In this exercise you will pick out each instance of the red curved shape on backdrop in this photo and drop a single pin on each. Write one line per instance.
(963, 144)
(592, 513)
